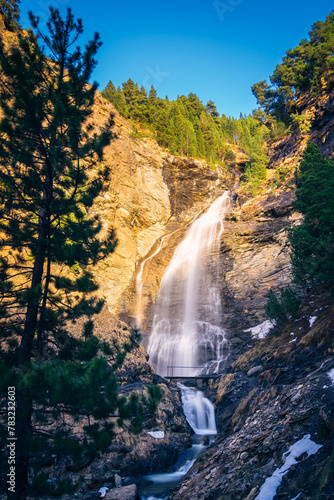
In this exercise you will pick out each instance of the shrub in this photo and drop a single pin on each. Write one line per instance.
(284, 309)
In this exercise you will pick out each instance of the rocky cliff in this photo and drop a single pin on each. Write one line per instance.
(279, 393)
(150, 194)
(152, 197)
(276, 391)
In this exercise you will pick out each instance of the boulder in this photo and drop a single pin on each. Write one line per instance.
(123, 493)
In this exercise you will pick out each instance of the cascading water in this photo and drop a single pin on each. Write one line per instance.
(199, 411)
(187, 333)
(186, 328)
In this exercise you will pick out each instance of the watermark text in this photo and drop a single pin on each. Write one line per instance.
(11, 439)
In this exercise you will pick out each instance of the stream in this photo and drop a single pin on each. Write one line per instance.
(200, 414)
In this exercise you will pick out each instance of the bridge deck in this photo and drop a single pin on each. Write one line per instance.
(192, 377)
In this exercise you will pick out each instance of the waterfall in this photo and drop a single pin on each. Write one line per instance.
(199, 411)
(200, 414)
(187, 333)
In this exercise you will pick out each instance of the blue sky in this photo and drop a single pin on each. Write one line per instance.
(215, 48)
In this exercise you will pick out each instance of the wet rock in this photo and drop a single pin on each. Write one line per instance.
(118, 481)
(123, 493)
(254, 370)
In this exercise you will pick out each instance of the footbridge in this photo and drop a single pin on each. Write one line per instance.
(191, 374)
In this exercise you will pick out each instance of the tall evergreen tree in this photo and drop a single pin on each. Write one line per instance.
(109, 92)
(152, 95)
(312, 242)
(211, 109)
(9, 10)
(49, 178)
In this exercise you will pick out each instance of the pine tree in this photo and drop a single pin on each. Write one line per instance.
(109, 92)
(211, 109)
(9, 10)
(49, 178)
(152, 95)
(312, 242)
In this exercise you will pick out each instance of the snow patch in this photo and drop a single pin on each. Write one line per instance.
(291, 333)
(157, 434)
(304, 445)
(261, 331)
(312, 320)
(293, 340)
(103, 491)
(331, 375)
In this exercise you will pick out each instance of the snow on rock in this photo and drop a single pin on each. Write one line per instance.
(304, 445)
(293, 340)
(261, 331)
(331, 375)
(157, 434)
(103, 491)
(312, 320)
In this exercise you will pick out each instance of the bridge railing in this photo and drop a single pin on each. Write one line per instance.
(185, 372)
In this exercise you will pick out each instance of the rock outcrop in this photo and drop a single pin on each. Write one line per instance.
(256, 258)
(278, 393)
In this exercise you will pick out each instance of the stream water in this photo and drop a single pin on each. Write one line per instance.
(200, 414)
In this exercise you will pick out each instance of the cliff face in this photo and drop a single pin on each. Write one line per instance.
(150, 194)
(151, 199)
(255, 259)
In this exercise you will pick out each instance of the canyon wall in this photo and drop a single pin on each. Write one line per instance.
(152, 198)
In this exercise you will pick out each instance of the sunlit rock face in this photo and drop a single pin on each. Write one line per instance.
(151, 200)
(150, 193)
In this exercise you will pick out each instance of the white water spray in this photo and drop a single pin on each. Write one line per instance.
(186, 328)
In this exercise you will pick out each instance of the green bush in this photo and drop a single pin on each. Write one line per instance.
(284, 309)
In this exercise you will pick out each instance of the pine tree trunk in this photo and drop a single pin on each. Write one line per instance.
(24, 402)
(33, 305)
